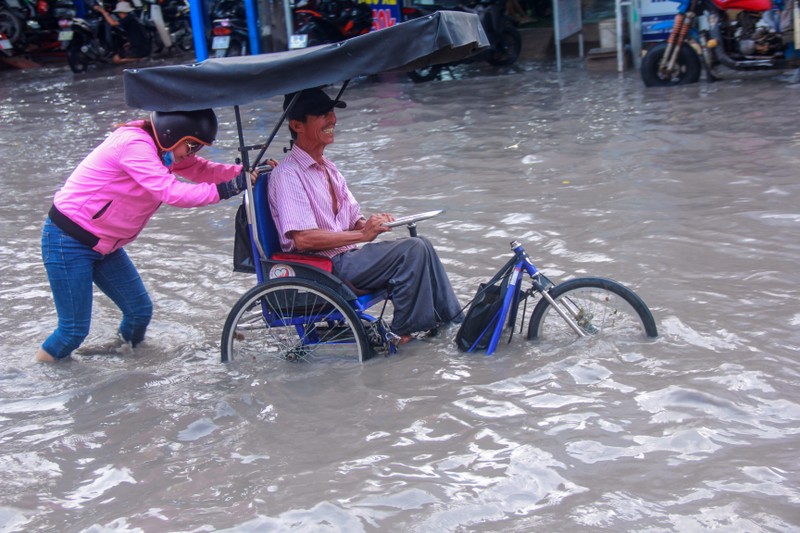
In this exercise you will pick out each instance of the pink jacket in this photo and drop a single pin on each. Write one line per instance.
(117, 188)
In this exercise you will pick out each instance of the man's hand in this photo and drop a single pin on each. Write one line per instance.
(374, 226)
(314, 240)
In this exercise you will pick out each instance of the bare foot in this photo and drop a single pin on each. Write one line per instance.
(404, 339)
(44, 357)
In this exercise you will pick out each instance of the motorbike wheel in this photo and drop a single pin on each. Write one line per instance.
(687, 68)
(507, 48)
(10, 26)
(78, 61)
(422, 75)
(182, 36)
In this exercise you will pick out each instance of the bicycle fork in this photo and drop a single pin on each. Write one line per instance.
(566, 312)
(563, 314)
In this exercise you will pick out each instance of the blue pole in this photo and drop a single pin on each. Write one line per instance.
(198, 30)
(252, 27)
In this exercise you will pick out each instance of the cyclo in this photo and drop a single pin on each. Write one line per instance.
(299, 310)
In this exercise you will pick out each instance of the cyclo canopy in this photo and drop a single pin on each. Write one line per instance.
(442, 37)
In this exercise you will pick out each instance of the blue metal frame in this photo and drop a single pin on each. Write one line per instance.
(522, 265)
(197, 15)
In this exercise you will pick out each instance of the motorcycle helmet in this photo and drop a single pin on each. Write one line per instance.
(174, 127)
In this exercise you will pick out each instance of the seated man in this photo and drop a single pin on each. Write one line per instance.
(315, 212)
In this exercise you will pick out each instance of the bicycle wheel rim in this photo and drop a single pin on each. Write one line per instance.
(294, 321)
(599, 307)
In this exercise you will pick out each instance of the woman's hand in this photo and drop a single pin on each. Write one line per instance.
(271, 163)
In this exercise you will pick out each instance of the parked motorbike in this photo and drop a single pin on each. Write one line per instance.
(89, 40)
(149, 14)
(229, 29)
(329, 21)
(178, 22)
(11, 25)
(738, 34)
(167, 23)
(32, 23)
(504, 39)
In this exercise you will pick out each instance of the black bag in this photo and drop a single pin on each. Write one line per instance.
(476, 330)
(242, 244)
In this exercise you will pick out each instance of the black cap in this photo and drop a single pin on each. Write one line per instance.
(311, 102)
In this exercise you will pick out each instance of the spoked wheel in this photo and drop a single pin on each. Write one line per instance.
(294, 320)
(686, 69)
(598, 306)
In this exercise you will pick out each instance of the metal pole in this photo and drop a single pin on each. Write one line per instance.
(557, 35)
(252, 27)
(198, 29)
(618, 21)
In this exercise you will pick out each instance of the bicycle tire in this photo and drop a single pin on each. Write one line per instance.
(601, 307)
(321, 324)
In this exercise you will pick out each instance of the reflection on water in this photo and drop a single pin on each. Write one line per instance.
(689, 195)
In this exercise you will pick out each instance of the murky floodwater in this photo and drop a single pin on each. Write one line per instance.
(689, 195)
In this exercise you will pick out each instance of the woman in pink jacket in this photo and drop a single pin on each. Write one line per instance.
(106, 203)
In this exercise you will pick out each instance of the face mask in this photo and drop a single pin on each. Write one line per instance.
(168, 158)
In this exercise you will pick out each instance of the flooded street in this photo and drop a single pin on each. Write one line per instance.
(688, 195)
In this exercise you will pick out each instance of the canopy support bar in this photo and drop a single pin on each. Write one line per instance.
(248, 199)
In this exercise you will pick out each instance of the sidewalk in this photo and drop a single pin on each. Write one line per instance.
(539, 42)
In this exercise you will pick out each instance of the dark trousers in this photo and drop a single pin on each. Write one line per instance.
(422, 296)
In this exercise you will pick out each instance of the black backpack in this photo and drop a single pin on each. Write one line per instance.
(484, 310)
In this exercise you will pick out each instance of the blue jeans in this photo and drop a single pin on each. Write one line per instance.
(72, 267)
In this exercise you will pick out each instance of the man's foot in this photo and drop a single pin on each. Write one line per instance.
(399, 340)
(404, 339)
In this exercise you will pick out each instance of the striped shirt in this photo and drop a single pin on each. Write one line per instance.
(300, 199)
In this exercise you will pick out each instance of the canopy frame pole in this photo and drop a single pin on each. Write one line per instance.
(248, 195)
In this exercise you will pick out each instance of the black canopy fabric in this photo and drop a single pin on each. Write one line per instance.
(442, 37)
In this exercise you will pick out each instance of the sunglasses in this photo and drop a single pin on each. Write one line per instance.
(193, 147)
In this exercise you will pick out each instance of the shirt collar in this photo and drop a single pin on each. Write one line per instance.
(306, 161)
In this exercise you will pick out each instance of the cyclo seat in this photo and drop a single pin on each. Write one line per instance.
(279, 264)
